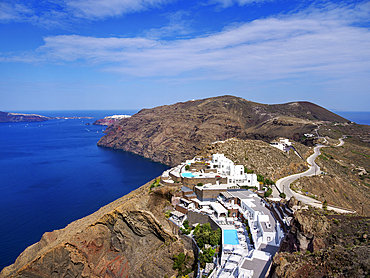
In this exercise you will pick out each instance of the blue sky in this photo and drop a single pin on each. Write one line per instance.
(132, 54)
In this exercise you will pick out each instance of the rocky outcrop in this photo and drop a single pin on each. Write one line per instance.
(306, 233)
(127, 238)
(110, 120)
(172, 133)
(6, 117)
(320, 245)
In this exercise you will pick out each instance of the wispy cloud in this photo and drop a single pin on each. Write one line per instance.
(14, 11)
(95, 9)
(312, 44)
(52, 13)
(177, 27)
(229, 3)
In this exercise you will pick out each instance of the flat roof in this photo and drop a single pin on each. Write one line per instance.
(218, 208)
(258, 266)
(186, 201)
(227, 195)
(177, 213)
(185, 189)
(258, 207)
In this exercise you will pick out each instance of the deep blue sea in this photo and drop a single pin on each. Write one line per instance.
(52, 173)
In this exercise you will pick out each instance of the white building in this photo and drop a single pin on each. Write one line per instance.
(264, 228)
(235, 173)
(283, 144)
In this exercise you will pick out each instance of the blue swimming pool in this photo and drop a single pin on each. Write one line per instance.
(188, 175)
(231, 237)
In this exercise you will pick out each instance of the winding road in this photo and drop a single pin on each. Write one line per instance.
(283, 185)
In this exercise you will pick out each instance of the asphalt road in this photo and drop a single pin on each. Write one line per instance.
(284, 183)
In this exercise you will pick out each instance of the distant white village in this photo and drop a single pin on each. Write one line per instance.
(216, 189)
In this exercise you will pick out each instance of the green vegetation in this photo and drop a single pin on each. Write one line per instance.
(186, 224)
(187, 229)
(323, 157)
(268, 192)
(199, 184)
(282, 195)
(249, 232)
(336, 221)
(365, 155)
(327, 155)
(179, 264)
(203, 234)
(187, 167)
(260, 178)
(206, 256)
(264, 180)
(155, 183)
(167, 214)
(325, 205)
(248, 171)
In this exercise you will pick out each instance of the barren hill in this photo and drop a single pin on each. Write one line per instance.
(172, 133)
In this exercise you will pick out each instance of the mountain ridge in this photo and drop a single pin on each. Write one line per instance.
(170, 133)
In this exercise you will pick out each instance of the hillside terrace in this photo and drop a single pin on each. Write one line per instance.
(216, 173)
(231, 211)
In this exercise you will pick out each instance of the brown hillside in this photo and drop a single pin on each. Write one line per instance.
(172, 133)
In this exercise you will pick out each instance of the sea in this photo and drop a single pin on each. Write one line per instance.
(362, 118)
(52, 173)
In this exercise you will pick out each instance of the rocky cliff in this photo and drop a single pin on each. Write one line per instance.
(6, 117)
(127, 238)
(322, 245)
(173, 133)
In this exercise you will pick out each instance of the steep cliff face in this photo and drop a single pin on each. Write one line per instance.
(172, 133)
(321, 245)
(127, 238)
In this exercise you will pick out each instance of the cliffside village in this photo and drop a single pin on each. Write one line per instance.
(215, 190)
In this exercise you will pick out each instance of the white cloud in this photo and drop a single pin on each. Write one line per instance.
(94, 9)
(177, 27)
(65, 12)
(14, 11)
(229, 3)
(312, 45)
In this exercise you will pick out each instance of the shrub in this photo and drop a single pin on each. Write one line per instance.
(268, 192)
(260, 178)
(187, 167)
(282, 195)
(179, 264)
(167, 214)
(199, 184)
(325, 205)
(155, 183)
(186, 224)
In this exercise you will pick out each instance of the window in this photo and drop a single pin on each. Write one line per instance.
(268, 238)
